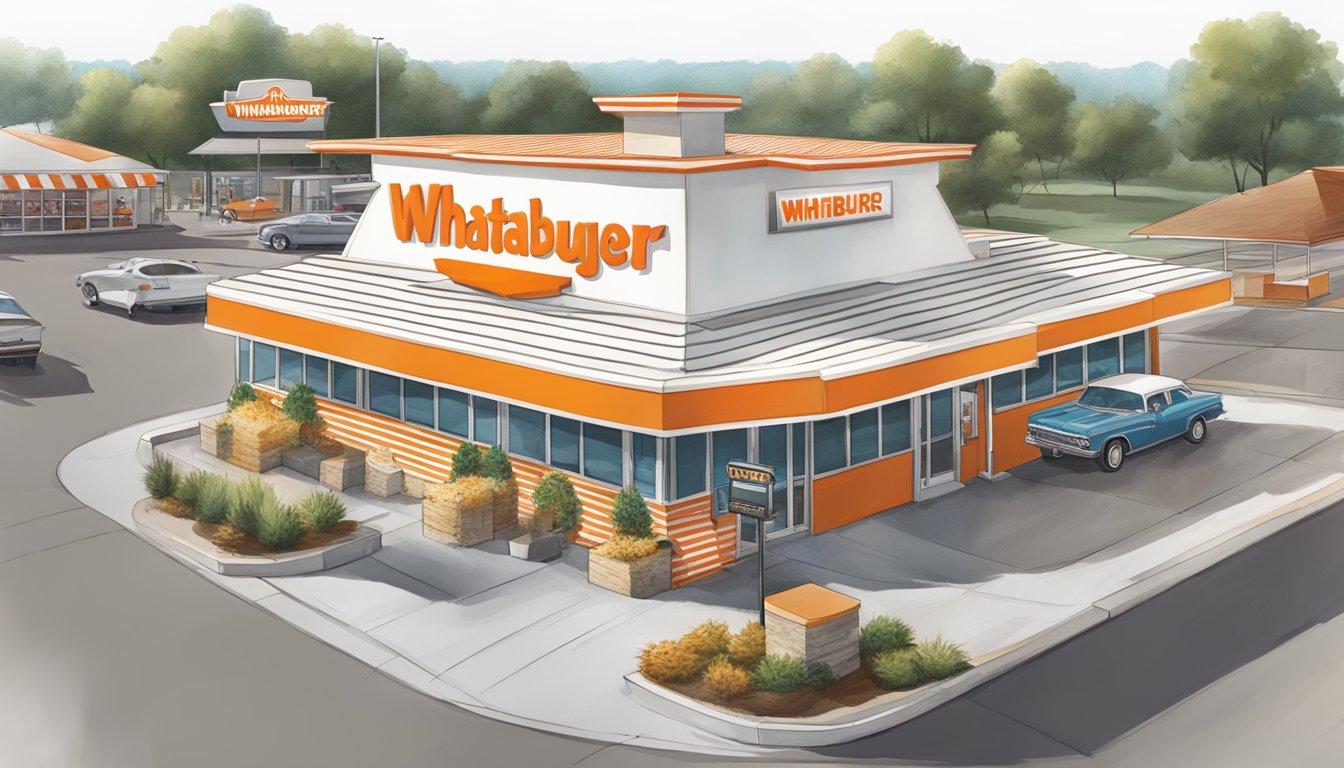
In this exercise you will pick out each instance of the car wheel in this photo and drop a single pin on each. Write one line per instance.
(279, 242)
(90, 293)
(1049, 454)
(1197, 432)
(132, 310)
(228, 217)
(1112, 456)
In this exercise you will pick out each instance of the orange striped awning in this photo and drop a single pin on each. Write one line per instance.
(13, 181)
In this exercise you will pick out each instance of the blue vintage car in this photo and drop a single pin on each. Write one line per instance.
(1118, 415)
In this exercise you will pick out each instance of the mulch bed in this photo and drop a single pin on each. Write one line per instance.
(232, 540)
(851, 690)
(174, 507)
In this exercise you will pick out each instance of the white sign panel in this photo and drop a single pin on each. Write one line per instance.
(793, 209)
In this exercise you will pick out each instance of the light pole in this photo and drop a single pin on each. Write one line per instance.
(377, 88)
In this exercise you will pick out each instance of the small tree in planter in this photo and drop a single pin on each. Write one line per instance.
(632, 562)
(242, 392)
(556, 509)
(467, 461)
(300, 406)
(496, 468)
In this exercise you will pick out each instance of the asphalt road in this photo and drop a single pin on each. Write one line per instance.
(111, 654)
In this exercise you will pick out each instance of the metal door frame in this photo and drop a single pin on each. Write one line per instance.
(753, 455)
(918, 416)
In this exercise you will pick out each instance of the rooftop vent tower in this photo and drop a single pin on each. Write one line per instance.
(672, 124)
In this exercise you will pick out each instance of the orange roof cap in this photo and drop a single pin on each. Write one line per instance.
(810, 604)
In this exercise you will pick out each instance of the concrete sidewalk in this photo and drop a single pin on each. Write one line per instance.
(1021, 564)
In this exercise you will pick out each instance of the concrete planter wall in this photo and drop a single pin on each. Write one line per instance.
(505, 509)
(254, 454)
(451, 524)
(538, 547)
(344, 471)
(306, 460)
(216, 439)
(383, 479)
(644, 577)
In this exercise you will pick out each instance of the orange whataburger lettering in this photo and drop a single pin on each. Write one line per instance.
(416, 210)
(275, 106)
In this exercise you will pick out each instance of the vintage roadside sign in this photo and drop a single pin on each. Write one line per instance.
(750, 490)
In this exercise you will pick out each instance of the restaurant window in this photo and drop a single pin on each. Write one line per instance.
(1136, 354)
(863, 436)
(1103, 359)
(527, 432)
(263, 364)
(485, 420)
(728, 445)
(385, 394)
(828, 445)
(895, 427)
(291, 368)
(418, 402)
(1041, 379)
(644, 463)
(690, 461)
(1068, 369)
(315, 375)
(244, 359)
(345, 383)
(1007, 389)
(602, 452)
(565, 443)
(455, 412)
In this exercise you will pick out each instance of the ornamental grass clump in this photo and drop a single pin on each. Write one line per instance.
(707, 641)
(321, 510)
(214, 499)
(726, 681)
(161, 477)
(266, 423)
(241, 393)
(939, 658)
(188, 489)
(748, 646)
(630, 514)
(249, 495)
(668, 661)
(897, 669)
(556, 502)
(818, 675)
(627, 549)
(882, 634)
(466, 462)
(779, 674)
(278, 525)
(467, 493)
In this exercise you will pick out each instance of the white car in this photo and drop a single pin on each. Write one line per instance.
(20, 334)
(143, 282)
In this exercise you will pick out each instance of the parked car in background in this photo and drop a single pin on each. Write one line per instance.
(308, 229)
(1119, 415)
(256, 209)
(144, 282)
(20, 334)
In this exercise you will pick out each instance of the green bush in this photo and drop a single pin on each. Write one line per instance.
(300, 406)
(781, 674)
(214, 499)
(896, 669)
(818, 675)
(882, 634)
(630, 514)
(188, 489)
(321, 510)
(939, 658)
(556, 499)
(496, 464)
(249, 496)
(467, 461)
(278, 525)
(161, 477)
(242, 392)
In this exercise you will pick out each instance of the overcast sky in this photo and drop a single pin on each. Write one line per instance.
(1108, 33)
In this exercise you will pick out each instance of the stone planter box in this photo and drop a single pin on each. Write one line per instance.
(644, 577)
(505, 510)
(814, 624)
(215, 441)
(248, 452)
(306, 460)
(449, 524)
(413, 486)
(537, 547)
(383, 479)
(344, 471)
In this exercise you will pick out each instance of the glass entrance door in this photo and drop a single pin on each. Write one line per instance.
(938, 438)
(782, 446)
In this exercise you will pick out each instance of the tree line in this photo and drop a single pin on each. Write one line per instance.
(1257, 96)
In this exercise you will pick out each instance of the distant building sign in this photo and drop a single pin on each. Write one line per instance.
(276, 106)
(793, 209)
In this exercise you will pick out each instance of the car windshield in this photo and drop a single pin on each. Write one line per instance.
(9, 306)
(1113, 399)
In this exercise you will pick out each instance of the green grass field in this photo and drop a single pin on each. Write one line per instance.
(1084, 212)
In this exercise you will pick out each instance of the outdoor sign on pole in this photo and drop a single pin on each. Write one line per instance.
(751, 495)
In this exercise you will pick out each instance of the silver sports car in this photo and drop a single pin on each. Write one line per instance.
(20, 334)
(149, 283)
(308, 229)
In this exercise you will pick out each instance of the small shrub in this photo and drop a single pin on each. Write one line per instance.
(939, 658)
(321, 510)
(496, 464)
(214, 499)
(818, 675)
(242, 392)
(778, 673)
(707, 641)
(748, 646)
(300, 406)
(726, 681)
(188, 489)
(668, 661)
(630, 514)
(467, 461)
(626, 549)
(882, 634)
(224, 438)
(161, 477)
(249, 496)
(467, 493)
(556, 500)
(896, 669)
(278, 525)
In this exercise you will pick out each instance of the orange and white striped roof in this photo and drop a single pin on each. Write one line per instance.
(42, 161)
(76, 180)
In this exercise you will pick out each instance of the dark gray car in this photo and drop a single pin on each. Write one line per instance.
(307, 229)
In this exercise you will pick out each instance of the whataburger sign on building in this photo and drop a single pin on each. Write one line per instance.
(276, 106)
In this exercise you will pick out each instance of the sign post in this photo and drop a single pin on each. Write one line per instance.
(751, 495)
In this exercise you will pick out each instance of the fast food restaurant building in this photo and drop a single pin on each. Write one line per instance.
(642, 307)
